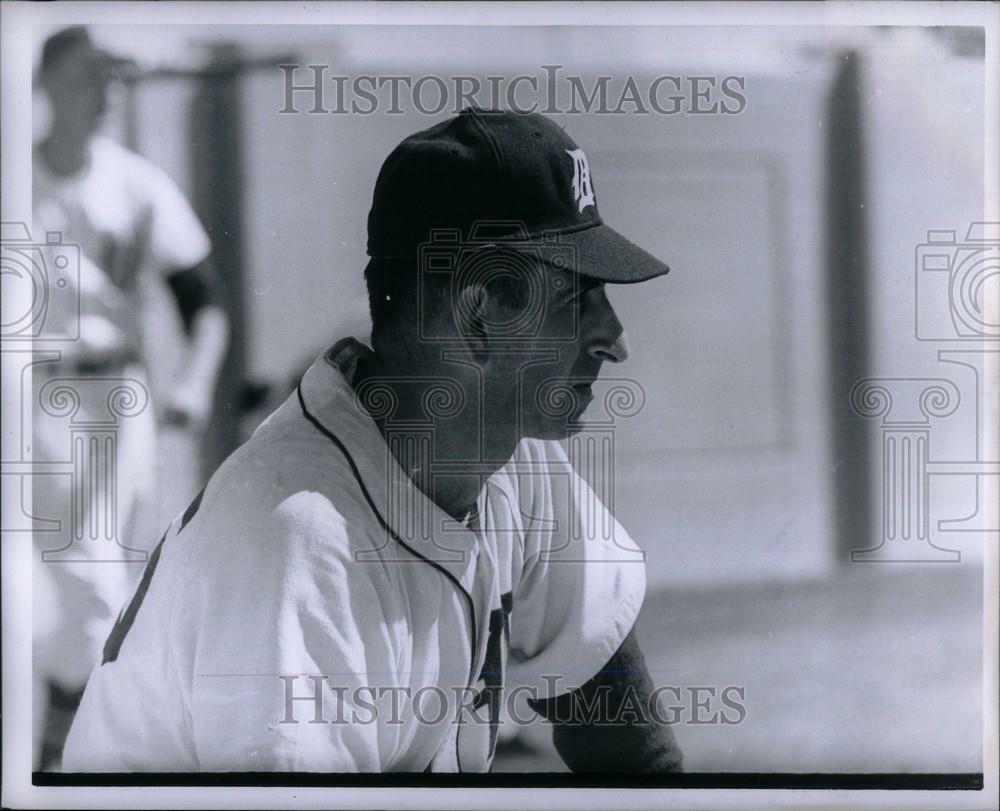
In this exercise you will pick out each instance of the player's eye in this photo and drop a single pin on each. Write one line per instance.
(589, 292)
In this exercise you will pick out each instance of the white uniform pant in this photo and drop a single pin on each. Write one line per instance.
(93, 438)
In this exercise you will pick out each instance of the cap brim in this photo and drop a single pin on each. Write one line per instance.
(602, 253)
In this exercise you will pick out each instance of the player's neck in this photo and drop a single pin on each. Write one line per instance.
(66, 151)
(457, 446)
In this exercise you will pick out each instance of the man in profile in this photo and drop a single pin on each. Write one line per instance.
(403, 543)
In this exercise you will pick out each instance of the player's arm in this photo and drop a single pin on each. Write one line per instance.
(196, 292)
(287, 598)
(607, 724)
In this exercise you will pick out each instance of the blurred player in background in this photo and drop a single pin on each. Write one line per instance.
(136, 231)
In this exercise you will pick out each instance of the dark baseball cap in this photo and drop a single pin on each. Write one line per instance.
(516, 176)
(77, 39)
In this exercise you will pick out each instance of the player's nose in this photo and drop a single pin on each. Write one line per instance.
(609, 343)
(619, 349)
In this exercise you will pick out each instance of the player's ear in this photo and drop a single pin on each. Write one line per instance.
(473, 303)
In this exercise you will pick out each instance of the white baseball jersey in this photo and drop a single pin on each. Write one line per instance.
(311, 566)
(129, 219)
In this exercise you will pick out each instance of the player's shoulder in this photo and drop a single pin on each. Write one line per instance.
(532, 489)
(108, 153)
(284, 490)
(541, 451)
(136, 172)
(531, 466)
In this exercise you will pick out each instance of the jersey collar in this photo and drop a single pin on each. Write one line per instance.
(404, 512)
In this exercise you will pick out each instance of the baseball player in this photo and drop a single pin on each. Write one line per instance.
(403, 545)
(135, 231)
